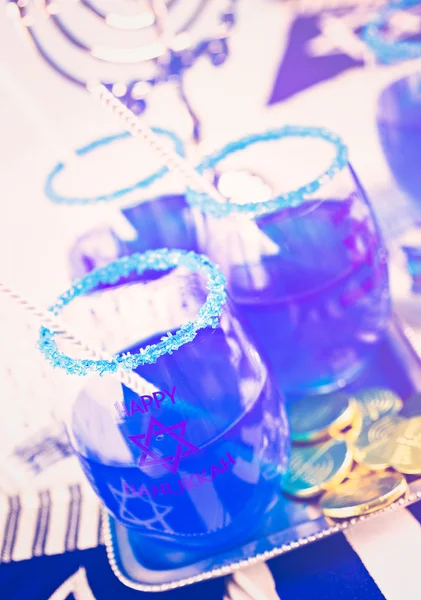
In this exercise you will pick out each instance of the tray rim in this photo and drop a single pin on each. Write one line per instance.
(412, 497)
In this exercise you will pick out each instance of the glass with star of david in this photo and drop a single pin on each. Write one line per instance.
(298, 242)
(192, 462)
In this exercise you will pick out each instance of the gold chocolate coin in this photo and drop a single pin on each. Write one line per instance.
(405, 447)
(358, 471)
(351, 433)
(314, 419)
(376, 403)
(372, 448)
(313, 469)
(361, 496)
(412, 406)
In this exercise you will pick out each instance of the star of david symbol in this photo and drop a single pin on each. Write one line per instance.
(159, 510)
(176, 432)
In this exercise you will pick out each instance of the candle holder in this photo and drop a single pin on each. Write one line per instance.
(129, 69)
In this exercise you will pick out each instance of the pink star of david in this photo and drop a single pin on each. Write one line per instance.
(149, 457)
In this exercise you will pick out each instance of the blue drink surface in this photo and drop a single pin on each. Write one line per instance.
(160, 222)
(196, 468)
(321, 299)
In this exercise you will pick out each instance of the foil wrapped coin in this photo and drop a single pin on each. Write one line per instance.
(352, 432)
(375, 403)
(412, 406)
(405, 447)
(358, 497)
(372, 448)
(314, 419)
(358, 471)
(314, 469)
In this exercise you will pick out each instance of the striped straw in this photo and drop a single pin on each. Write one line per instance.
(128, 378)
(139, 130)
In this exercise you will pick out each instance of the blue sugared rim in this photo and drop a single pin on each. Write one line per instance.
(390, 51)
(158, 260)
(57, 198)
(293, 198)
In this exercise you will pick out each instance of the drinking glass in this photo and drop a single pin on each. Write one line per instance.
(392, 33)
(193, 464)
(123, 207)
(398, 122)
(306, 268)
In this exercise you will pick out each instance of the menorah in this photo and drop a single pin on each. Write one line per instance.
(131, 47)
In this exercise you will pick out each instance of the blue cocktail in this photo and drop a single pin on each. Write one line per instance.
(194, 462)
(307, 269)
(399, 126)
(132, 211)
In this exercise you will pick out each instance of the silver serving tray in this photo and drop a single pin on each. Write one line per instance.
(291, 523)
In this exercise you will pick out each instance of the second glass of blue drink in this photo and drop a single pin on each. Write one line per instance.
(307, 269)
(398, 122)
(193, 463)
(118, 210)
